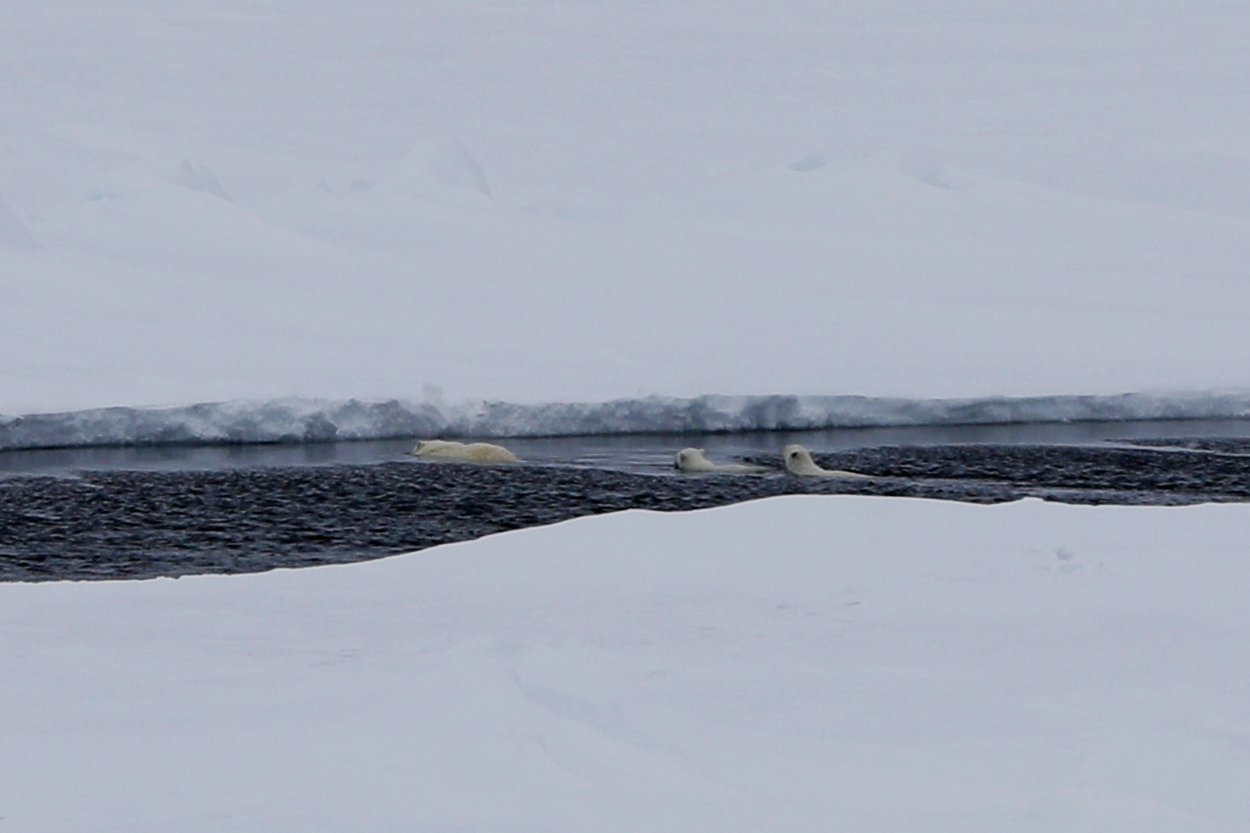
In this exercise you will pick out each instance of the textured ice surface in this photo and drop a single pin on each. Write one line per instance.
(300, 420)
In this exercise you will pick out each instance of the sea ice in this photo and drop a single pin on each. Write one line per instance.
(621, 201)
(307, 420)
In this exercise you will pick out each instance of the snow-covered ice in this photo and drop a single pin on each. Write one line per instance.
(800, 663)
(564, 202)
(304, 420)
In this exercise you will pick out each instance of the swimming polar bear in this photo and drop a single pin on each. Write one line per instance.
(692, 460)
(461, 453)
(799, 461)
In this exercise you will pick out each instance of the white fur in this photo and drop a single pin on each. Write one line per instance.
(692, 460)
(799, 462)
(462, 453)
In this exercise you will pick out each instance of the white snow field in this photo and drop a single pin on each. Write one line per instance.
(799, 663)
(560, 201)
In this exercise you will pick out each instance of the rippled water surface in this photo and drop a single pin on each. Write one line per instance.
(140, 513)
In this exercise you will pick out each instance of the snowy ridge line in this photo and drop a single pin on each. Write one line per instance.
(312, 420)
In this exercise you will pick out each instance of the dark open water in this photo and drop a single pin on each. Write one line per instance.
(137, 513)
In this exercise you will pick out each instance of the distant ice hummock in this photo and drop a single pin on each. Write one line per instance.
(200, 178)
(434, 167)
(13, 233)
(313, 420)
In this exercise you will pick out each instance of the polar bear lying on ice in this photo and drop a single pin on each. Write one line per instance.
(692, 460)
(462, 453)
(799, 462)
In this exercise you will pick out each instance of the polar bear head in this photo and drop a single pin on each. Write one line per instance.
(799, 461)
(692, 459)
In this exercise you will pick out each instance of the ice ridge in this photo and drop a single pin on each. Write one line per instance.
(311, 420)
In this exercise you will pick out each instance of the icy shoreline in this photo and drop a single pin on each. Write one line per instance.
(313, 420)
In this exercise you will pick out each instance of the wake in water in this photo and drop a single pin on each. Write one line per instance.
(312, 420)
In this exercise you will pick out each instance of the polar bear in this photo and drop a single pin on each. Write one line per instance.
(799, 461)
(461, 453)
(692, 460)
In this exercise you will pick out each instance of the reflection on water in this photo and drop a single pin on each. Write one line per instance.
(647, 453)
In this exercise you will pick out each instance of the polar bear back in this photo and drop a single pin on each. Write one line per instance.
(693, 460)
(462, 453)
